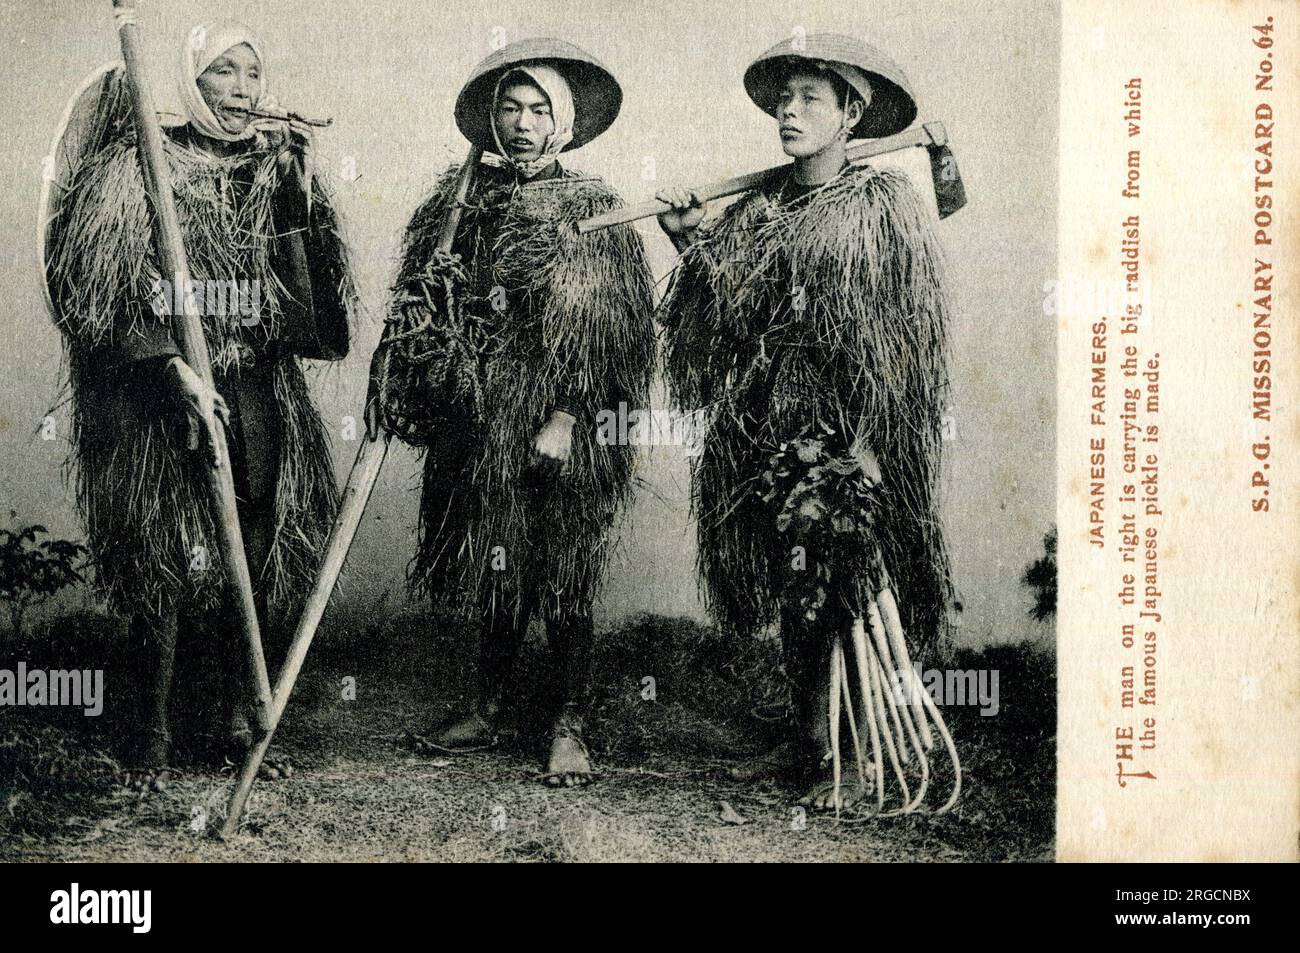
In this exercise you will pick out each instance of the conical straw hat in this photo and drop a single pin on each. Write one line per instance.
(597, 96)
(893, 106)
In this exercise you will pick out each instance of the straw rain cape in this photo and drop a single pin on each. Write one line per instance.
(545, 318)
(822, 315)
(141, 493)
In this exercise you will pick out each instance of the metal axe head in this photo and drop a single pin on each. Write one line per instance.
(949, 192)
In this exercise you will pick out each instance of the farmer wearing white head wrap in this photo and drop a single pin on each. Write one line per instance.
(557, 90)
(205, 44)
(505, 390)
(247, 227)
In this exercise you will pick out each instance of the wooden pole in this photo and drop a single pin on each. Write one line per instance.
(356, 494)
(930, 135)
(361, 482)
(188, 331)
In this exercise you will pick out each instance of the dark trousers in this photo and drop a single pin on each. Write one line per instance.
(217, 677)
(216, 674)
(806, 646)
(569, 639)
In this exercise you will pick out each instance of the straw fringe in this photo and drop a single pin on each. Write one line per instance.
(578, 328)
(103, 268)
(141, 494)
(143, 498)
(829, 310)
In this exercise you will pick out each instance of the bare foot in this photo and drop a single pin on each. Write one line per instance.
(460, 733)
(821, 795)
(774, 763)
(569, 762)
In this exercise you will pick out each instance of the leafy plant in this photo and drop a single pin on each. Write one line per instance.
(825, 502)
(32, 572)
(1040, 576)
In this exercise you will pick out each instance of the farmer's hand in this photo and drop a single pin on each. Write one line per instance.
(301, 140)
(553, 443)
(374, 416)
(204, 408)
(686, 214)
(292, 135)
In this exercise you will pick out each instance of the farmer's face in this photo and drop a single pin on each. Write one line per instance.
(809, 115)
(233, 79)
(523, 120)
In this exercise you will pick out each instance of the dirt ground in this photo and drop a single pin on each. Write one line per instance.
(359, 793)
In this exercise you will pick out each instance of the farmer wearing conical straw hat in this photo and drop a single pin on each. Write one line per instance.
(502, 381)
(271, 277)
(809, 322)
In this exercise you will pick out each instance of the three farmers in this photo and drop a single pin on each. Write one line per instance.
(807, 321)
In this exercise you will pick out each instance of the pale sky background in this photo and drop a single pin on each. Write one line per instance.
(388, 73)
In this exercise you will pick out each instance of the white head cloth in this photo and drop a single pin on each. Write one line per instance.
(203, 45)
(557, 90)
